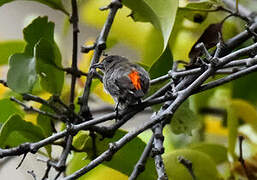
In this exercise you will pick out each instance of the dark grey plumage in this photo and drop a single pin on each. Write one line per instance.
(125, 81)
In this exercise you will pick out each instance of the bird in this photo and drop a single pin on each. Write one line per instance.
(126, 82)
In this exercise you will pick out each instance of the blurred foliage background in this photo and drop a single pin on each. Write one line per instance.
(209, 139)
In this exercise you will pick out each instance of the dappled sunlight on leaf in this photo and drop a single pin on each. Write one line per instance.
(31, 118)
(213, 125)
(3, 90)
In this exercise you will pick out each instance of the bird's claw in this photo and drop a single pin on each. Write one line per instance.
(117, 115)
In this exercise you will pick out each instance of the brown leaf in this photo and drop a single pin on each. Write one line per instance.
(251, 167)
(210, 38)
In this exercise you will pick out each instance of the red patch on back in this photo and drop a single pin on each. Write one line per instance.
(135, 79)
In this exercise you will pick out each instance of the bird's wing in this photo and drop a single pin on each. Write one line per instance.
(124, 83)
(144, 79)
(130, 84)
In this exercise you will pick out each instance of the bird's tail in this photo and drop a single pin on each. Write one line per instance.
(138, 94)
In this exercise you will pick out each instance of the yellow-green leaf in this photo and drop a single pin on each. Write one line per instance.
(160, 13)
(217, 152)
(8, 48)
(245, 111)
(203, 166)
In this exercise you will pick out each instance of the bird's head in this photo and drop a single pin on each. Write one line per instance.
(109, 62)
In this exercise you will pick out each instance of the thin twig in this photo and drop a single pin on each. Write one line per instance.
(32, 174)
(74, 21)
(57, 175)
(140, 166)
(227, 79)
(70, 111)
(30, 97)
(23, 158)
(32, 109)
(188, 165)
(76, 72)
(45, 177)
(4, 83)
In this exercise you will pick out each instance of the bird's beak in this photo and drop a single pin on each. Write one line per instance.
(98, 65)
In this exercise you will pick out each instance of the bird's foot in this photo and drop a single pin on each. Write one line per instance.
(116, 109)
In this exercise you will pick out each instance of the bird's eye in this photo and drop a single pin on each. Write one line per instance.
(109, 60)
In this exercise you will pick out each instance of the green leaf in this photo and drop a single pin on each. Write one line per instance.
(45, 122)
(162, 65)
(7, 109)
(48, 58)
(80, 140)
(39, 28)
(8, 48)
(243, 85)
(200, 100)
(125, 155)
(203, 166)
(217, 152)
(79, 161)
(221, 98)
(146, 67)
(184, 120)
(160, 13)
(55, 4)
(16, 131)
(22, 73)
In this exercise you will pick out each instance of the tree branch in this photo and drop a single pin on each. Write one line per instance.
(158, 150)
(61, 164)
(74, 21)
(99, 46)
(140, 166)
